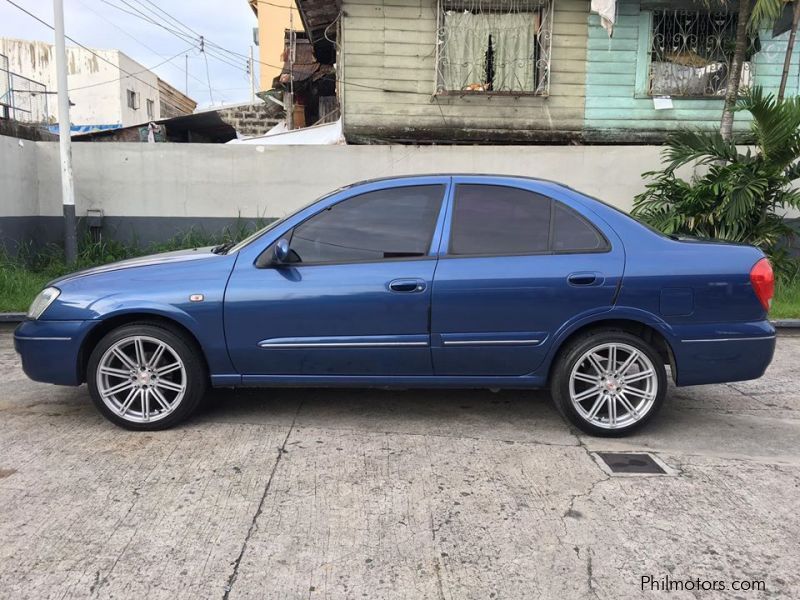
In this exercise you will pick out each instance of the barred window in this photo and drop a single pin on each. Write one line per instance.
(494, 46)
(691, 53)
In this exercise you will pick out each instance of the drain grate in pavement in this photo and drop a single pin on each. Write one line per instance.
(632, 463)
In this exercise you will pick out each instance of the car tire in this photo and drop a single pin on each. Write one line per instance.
(146, 376)
(605, 394)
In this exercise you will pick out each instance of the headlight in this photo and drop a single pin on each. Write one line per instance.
(42, 301)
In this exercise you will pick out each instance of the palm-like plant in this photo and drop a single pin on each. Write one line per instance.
(739, 196)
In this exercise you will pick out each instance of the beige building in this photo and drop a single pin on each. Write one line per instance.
(274, 19)
(411, 71)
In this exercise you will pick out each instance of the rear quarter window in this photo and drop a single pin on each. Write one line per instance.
(573, 233)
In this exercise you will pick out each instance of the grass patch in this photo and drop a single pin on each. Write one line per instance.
(786, 304)
(23, 275)
(18, 287)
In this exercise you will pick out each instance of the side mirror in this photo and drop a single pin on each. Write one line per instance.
(281, 252)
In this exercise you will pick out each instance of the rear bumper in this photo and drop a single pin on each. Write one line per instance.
(50, 350)
(723, 352)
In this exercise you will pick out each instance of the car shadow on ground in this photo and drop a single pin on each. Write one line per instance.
(424, 411)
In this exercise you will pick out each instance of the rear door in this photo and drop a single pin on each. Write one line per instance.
(515, 266)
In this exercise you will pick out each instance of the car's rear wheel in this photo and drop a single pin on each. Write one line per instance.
(609, 383)
(145, 377)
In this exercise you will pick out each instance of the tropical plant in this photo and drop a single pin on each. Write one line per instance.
(734, 195)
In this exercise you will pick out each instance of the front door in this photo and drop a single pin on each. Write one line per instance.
(352, 298)
(514, 268)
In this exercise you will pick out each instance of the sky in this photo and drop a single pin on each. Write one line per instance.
(97, 24)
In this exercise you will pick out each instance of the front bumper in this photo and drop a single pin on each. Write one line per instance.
(723, 352)
(50, 350)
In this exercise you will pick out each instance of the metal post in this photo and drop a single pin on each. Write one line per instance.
(288, 106)
(64, 137)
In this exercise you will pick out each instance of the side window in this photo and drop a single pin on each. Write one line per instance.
(379, 225)
(489, 219)
(572, 233)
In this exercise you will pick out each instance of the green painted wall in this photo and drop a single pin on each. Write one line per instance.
(617, 107)
(391, 45)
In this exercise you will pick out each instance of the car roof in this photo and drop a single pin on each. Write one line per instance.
(473, 175)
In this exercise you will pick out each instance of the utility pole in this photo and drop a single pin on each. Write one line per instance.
(186, 85)
(64, 137)
(288, 98)
(252, 74)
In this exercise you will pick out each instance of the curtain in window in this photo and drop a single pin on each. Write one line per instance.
(466, 44)
(514, 40)
(466, 41)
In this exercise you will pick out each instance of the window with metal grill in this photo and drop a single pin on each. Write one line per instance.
(494, 46)
(691, 53)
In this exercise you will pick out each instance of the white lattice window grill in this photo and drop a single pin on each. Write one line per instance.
(691, 53)
(498, 47)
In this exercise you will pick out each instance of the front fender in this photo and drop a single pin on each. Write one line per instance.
(203, 325)
(161, 290)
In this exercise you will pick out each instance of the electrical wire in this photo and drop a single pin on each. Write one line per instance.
(74, 41)
(169, 16)
(261, 62)
(209, 47)
(132, 11)
(141, 43)
(145, 70)
(208, 76)
(184, 30)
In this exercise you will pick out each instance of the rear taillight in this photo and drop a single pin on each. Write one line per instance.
(763, 281)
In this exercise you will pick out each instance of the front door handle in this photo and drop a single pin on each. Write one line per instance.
(585, 278)
(408, 286)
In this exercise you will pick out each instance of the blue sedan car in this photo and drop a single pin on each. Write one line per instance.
(448, 280)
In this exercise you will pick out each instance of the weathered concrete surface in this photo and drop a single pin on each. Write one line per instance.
(414, 494)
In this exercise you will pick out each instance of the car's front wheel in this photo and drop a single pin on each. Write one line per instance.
(609, 382)
(145, 377)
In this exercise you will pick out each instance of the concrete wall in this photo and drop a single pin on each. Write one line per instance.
(152, 192)
(194, 180)
(18, 178)
(20, 220)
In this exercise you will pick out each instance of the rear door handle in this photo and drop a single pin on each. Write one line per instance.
(585, 278)
(408, 286)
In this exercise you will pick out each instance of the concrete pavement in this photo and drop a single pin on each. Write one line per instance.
(412, 494)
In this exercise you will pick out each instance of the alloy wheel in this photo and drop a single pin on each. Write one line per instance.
(613, 385)
(141, 379)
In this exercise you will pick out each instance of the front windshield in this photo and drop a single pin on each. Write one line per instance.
(254, 236)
